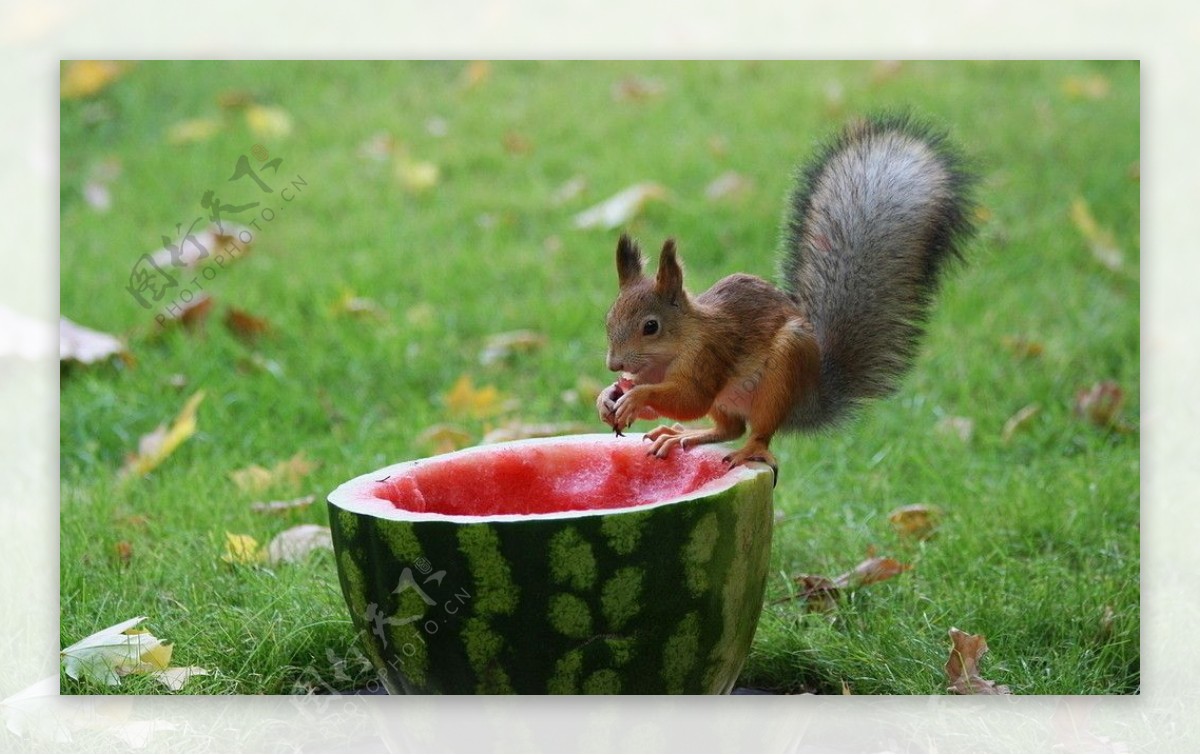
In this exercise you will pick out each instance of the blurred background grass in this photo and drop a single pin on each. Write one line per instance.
(1039, 550)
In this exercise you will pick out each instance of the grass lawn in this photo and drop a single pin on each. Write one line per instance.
(1038, 548)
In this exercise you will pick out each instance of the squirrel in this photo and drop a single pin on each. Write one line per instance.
(868, 229)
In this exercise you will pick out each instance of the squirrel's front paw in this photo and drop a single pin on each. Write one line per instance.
(606, 404)
(628, 407)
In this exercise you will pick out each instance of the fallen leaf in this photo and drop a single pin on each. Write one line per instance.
(193, 130)
(1019, 421)
(84, 78)
(872, 570)
(174, 678)
(1101, 240)
(268, 121)
(846, 688)
(516, 144)
(638, 89)
(95, 189)
(1094, 87)
(235, 99)
(730, 185)
(962, 669)
(123, 551)
(569, 190)
(417, 176)
(294, 544)
(242, 549)
(162, 442)
(276, 507)
(501, 346)
(884, 71)
(245, 325)
(962, 428)
(1022, 347)
(379, 147)
(290, 472)
(205, 245)
(1101, 404)
(441, 439)
(835, 97)
(476, 73)
(819, 593)
(79, 344)
(621, 207)
(464, 399)
(918, 520)
(120, 650)
(521, 430)
(358, 306)
(191, 315)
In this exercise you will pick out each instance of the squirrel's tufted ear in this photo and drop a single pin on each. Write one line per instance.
(629, 261)
(670, 274)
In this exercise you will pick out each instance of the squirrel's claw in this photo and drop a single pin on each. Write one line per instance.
(753, 452)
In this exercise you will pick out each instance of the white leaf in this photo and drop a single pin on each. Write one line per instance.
(109, 653)
(621, 207)
(296, 543)
(175, 677)
(84, 344)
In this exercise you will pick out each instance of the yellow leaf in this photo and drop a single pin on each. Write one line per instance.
(255, 478)
(918, 520)
(417, 176)
(465, 399)
(621, 207)
(442, 439)
(84, 78)
(1103, 244)
(158, 445)
(1094, 87)
(1019, 421)
(477, 72)
(242, 549)
(193, 130)
(268, 121)
(157, 657)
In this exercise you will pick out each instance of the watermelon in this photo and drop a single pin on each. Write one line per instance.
(566, 565)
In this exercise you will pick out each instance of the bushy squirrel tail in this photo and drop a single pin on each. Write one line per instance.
(872, 222)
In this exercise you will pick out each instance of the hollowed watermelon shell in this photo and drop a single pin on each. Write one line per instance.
(565, 565)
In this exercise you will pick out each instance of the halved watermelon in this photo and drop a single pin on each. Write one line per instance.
(564, 565)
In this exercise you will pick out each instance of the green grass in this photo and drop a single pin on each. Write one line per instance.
(1041, 535)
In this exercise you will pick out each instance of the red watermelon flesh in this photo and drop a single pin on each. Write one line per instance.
(545, 478)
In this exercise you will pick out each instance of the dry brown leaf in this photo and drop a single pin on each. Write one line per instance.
(123, 551)
(289, 472)
(244, 325)
(1022, 347)
(1101, 404)
(730, 185)
(962, 669)
(86, 346)
(819, 593)
(1094, 87)
(884, 71)
(84, 78)
(516, 144)
(621, 207)
(918, 520)
(872, 570)
(501, 346)
(638, 89)
(296, 543)
(1101, 240)
(155, 447)
(204, 246)
(1019, 421)
(464, 399)
(476, 73)
(441, 439)
(278, 507)
(522, 430)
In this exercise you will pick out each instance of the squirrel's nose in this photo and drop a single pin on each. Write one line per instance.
(614, 365)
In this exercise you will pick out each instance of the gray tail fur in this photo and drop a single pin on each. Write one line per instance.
(870, 226)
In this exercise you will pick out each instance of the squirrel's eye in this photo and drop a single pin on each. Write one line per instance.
(650, 327)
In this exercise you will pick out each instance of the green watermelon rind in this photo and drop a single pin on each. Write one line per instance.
(659, 598)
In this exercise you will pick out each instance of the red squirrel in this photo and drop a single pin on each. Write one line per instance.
(870, 225)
